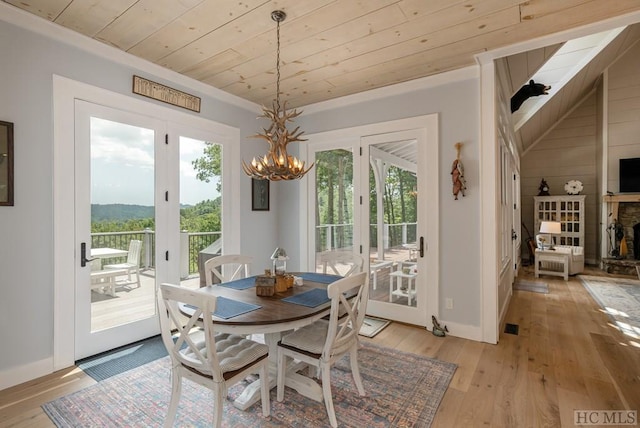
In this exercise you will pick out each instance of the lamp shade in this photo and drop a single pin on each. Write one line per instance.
(551, 227)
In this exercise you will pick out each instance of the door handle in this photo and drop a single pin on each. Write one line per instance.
(421, 246)
(83, 255)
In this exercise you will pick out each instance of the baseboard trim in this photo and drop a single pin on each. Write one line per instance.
(463, 331)
(17, 375)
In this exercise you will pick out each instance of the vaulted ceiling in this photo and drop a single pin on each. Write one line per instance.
(577, 73)
(330, 48)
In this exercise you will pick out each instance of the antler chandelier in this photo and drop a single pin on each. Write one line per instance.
(277, 164)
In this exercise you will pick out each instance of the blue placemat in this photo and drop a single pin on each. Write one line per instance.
(322, 278)
(228, 308)
(240, 284)
(311, 298)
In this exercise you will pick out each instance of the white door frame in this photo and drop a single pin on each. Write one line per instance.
(427, 127)
(65, 92)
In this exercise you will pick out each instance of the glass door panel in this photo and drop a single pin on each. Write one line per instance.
(200, 207)
(122, 223)
(334, 202)
(393, 206)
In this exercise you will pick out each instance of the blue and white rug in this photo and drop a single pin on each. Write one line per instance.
(619, 298)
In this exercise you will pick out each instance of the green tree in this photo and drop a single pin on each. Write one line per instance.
(210, 164)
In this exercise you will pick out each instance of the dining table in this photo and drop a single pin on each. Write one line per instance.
(271, 316)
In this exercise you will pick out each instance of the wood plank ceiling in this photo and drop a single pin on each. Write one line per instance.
(330, 48)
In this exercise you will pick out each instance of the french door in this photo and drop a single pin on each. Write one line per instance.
(369, 194)
(118, 157)
(148, 194)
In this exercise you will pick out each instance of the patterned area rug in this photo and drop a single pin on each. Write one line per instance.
(402, 390)
(619, 298)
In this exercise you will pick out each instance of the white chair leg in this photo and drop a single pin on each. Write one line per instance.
(282, 363)
(138, 277)
(326, 394)
(264, 396)
(176, 390)
(355, 369)
(218, 405)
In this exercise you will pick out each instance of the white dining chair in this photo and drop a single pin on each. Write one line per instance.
(227, 268)
(343, 263)
(133, 261)
(213, 360)
(323, 343)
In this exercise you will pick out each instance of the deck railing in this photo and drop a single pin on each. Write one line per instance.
(333, 236)
(328, 237)
(191, 244)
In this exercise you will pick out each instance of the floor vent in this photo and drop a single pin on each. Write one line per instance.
(511, 328)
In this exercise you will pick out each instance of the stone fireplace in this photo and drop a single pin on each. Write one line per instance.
(626, 209)
(629, 217)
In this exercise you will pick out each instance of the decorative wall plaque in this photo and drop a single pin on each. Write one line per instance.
(165, 94)
(6, 163)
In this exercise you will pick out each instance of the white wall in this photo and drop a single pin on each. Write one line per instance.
(457, 104)
(26, 229)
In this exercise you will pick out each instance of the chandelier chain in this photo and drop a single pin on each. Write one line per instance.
(278, 67)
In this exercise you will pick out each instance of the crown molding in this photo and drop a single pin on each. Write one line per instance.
(25, 20)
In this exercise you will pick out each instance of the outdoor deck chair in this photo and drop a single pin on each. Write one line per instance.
(133, 261)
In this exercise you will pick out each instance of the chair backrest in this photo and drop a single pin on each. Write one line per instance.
(346, 315)
(135, 247)
(344, 263)
(199, 352)
(226, 268)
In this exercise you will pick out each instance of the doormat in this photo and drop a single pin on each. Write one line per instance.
(533, 286)
(116, 361)
(372, 326)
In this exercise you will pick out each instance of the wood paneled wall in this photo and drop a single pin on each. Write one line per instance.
(568, 152)
(624, 113)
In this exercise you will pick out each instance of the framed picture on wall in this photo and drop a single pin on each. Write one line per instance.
(6, 163)
(259, 195)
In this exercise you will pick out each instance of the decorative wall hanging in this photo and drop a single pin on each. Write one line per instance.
(457, 174)
(277, 164)
(573, 187)
(532, 89)
(543, 189)
(160, 92)
(6, 163)
(259, 195)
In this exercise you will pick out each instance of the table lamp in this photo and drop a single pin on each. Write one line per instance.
(279, 255)
(551, 228)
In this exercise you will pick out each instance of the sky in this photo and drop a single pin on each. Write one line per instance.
(122, 166)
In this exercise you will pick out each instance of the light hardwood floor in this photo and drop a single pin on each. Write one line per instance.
(566, 357)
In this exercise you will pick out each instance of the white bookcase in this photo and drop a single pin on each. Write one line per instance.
(568, 210)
